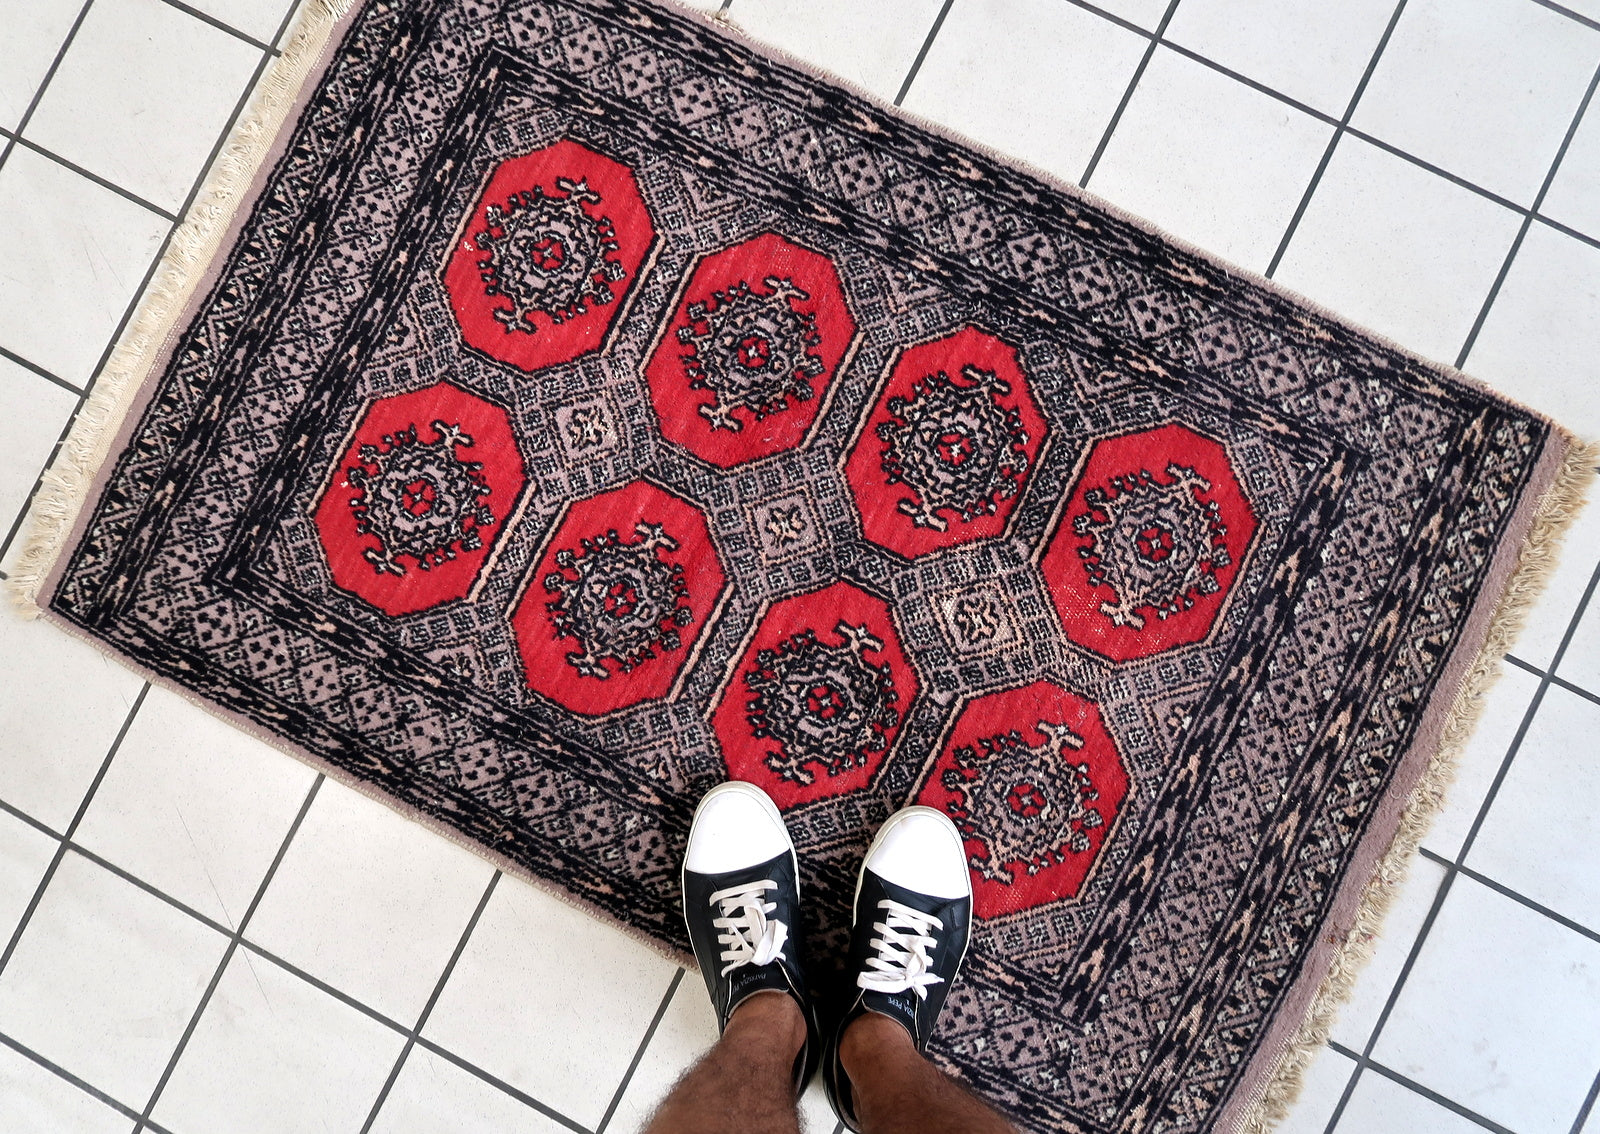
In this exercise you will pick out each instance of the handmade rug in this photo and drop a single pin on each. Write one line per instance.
(586, 405)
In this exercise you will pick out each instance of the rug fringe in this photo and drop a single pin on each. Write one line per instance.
(65, 485)
(1540, 554)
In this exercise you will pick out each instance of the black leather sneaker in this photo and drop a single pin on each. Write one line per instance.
(913, 916)
(741, 902)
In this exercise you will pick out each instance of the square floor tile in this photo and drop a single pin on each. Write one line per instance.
(1382, 1106)
(1550, 617)
(1039, 79)
(1398, 249)
(178, 80)
(33, 413)
(56, 310)
(1320, 1091)
(434, 1096)
(25, 854)
(274, 1053)
(1310, 50)
(1501, 1013)
(872, 45)
(370, 902)
(259, 19)
(65, 702)
(1211, 160)
(105, 979)
(1540, 836)
(1541, 341)
(1410, 907)
(550, 1000)
(1504, 706)
(1574, 196)
(1485, 90)
(194, 806)
(35, 30)
(38, 1101)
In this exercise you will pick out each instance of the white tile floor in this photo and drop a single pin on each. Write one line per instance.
(198, 934)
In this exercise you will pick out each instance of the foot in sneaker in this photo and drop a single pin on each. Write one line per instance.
(913, 915)
(741, 899)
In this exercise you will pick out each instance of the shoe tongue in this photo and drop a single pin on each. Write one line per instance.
(747, 980)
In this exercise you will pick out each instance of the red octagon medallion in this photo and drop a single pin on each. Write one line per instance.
(758, 334)
(542, 266)
(814, 704)
(621, 594)
(1148, 544)
(947, 449)
(419, 498)
(1035, 783)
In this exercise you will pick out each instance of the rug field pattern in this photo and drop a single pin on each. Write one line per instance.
(821, 451)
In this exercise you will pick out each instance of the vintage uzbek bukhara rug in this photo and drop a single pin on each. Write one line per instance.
(587, 406)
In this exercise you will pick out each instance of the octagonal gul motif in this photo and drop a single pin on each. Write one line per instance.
(946, 450)
(1035, 784)
(542, 266)
(620, 596)
(1148, 544)
(758, 333)
(816, 699)
(419, 498)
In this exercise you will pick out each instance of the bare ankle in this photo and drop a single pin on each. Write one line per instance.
(774, 1017)
(869, 1040)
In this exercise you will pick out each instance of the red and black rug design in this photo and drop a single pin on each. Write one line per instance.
(590, 408)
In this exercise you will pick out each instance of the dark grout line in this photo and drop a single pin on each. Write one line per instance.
(638, 1052)
(722, 12)
(38, 94)
(922, 52)
(83, 808)
(1567, 230)
(144, 283)
(1507, 892)
(1340, 126)
(1587, 1108)
(1527, 221)
(1455, 868)
(17, 813)
(1254, 84)
(1112, 18)
(83, 1085)
(35, 368)
(1437, 170)
(227, 956)
(494, 1081)
(1428, 1093)
(427, 1010)
(104, 183)
(1527, 666)
(207, 18)
(1569, 13)
(1127, 95)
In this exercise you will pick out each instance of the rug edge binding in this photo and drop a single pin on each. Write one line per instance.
(1260, 1109)
(66, 485)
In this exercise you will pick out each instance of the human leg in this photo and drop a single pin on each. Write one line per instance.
(745, 1083)
(897, 1091)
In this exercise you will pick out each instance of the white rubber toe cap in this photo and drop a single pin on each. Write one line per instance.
(735, 826)
(920, 849)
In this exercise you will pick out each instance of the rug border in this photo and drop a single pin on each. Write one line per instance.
(1527, 556)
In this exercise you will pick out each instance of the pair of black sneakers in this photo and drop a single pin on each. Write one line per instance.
(913, 915)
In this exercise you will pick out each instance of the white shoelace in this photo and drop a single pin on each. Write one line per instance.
(748, 936)
(902, 945)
